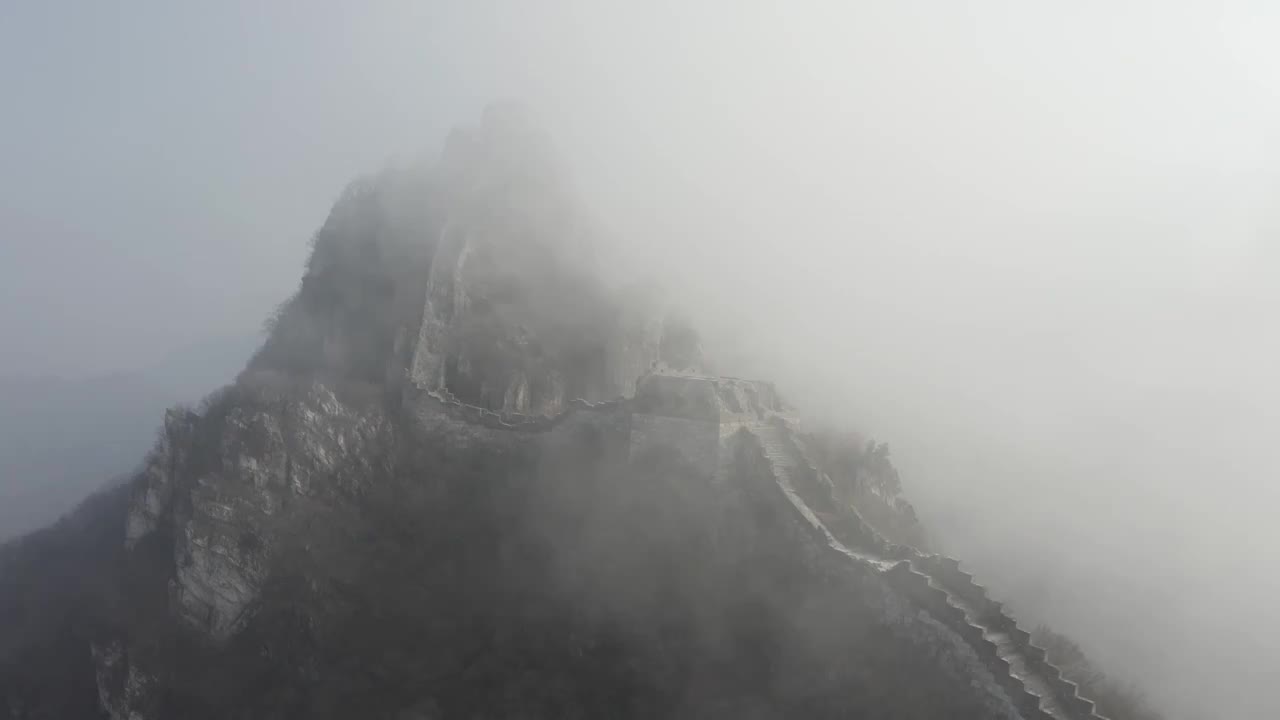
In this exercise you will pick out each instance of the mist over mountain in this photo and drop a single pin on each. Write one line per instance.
(1019, 261)
(469, 473)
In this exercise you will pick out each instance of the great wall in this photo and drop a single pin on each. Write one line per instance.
(705, 418)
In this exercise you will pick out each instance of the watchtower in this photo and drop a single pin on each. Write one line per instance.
(693, 414)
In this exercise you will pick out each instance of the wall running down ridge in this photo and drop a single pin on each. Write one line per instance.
(935, 582)
(702, 418)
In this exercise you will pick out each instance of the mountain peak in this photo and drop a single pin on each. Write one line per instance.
(467, 477)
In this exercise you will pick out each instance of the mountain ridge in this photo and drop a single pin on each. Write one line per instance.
(466, 477)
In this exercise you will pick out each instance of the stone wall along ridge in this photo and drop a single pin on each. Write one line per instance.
(934, 582)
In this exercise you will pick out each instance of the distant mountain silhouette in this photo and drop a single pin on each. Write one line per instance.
(61, 439)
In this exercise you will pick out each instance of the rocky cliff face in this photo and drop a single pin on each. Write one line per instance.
(464, 479)
(235, 487)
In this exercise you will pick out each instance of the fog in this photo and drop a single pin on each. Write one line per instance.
(1034, 247)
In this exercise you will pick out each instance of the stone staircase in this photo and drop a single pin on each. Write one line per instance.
(936, 583)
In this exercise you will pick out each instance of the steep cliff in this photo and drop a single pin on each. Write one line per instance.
(465, 477)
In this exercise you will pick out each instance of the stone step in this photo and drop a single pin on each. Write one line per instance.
(1036, 686)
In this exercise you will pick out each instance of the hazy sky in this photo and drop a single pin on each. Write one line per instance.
(1035, 246)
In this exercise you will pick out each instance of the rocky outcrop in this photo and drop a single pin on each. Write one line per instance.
(864, 477)
(153, 490)
(123, 689)
(233, 483)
